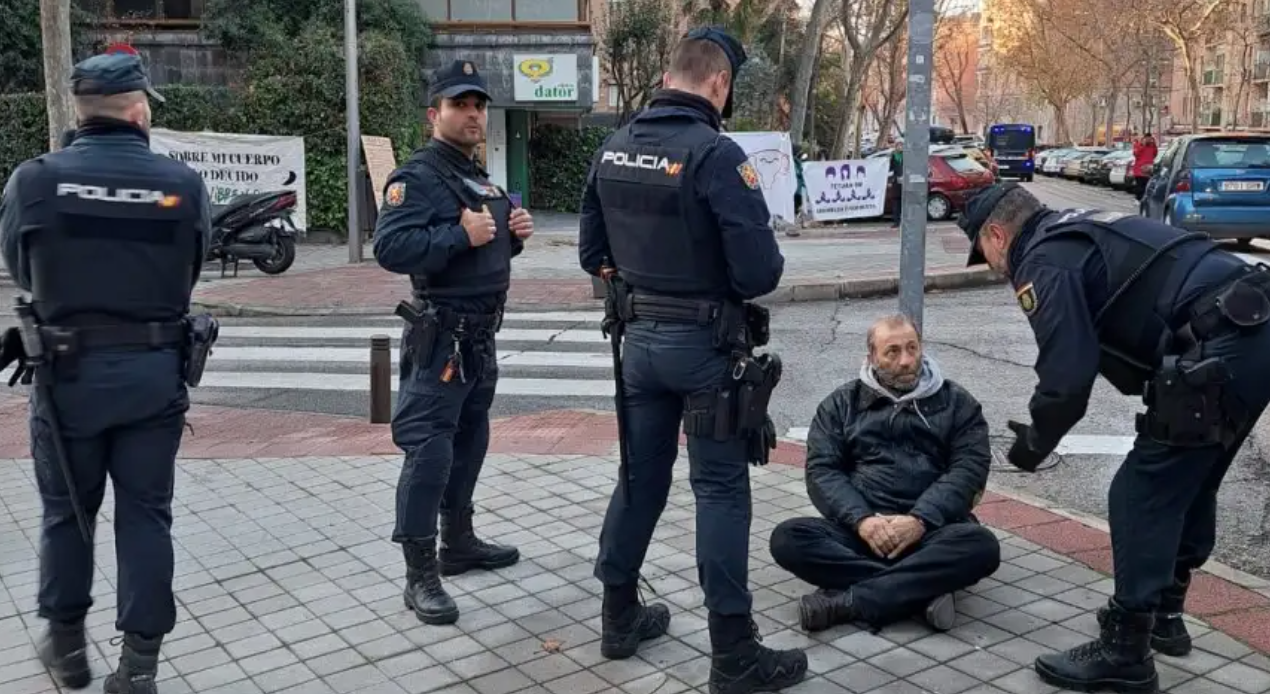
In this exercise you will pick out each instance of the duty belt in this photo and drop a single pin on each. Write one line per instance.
(674, 310)
(147, 335)
(450, 320)
(1208, 320)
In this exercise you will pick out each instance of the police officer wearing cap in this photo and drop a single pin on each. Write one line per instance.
(674, 213)
(454, 233)
(1164, 315)
(109, 239)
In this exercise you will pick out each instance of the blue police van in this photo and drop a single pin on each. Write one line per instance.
(1013, 147)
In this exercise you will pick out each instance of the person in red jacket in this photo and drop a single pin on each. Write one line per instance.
(1144, 151)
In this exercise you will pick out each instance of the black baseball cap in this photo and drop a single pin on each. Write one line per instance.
(457, 78)
(731, 48)
(112, 73)
(977, 211)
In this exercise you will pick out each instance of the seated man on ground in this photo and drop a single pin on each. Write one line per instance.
(896, 460)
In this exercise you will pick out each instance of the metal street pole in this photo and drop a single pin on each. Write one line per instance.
(921, 36)
(55, 31)
(354, 130)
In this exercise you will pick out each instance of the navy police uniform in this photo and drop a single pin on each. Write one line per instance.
(109, 239)
(674, 218)
(448, 367)
(1169, 316)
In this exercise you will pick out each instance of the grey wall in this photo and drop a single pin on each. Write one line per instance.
(179, 57)
(492, 55)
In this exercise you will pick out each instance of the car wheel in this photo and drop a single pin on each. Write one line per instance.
(1027, 178)
(938, 208)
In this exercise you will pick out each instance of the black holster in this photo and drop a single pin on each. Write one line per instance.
(739, 407)
(202, 331)
(424, 328)
(1186, 404)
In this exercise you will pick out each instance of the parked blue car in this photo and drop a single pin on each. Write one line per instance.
(1217, 183)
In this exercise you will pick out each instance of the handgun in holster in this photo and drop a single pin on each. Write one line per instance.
(201, 332)
(424, 324)
(1185, 403)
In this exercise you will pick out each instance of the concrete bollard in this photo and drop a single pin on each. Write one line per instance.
(380, 379)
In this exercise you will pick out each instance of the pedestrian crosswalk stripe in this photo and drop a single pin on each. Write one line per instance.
(359, 355)
(548, 354)
(541, 387)
(271, 332)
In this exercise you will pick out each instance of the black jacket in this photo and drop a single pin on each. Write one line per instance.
(928, 458)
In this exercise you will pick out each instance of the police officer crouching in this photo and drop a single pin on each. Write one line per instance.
(454, 232)
(1161, 313)
(109, 239)
(674, 219)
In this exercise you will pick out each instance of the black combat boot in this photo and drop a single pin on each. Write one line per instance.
(1169, 635)
(1118, 661)
(825, 608)
(424, 593)
(462, 550)
(626, 622)
(64, 651)
(739, 665)
(138, 666)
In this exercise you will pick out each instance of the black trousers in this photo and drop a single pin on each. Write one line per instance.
(829, 556)
(1162, 504)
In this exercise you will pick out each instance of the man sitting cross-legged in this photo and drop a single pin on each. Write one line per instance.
(896, 460)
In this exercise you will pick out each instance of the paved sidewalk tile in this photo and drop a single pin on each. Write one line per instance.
(286, 583)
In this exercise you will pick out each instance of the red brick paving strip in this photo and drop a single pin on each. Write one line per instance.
(221, 432)
(369, 286)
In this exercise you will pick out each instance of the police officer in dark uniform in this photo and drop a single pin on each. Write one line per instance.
(109, 239)
(454, 232)
(1163, 314)
(674, 218)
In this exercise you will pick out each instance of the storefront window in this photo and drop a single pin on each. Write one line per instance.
(502, 10)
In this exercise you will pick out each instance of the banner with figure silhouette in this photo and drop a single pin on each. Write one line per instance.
(846, 189)
(772, 158)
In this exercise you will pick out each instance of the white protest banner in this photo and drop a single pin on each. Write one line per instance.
(846, 189)
(772, 157)
(234, 164)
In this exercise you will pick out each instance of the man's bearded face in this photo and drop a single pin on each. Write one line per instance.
(897, 357)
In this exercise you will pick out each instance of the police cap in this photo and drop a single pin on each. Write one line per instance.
(731, 48)
(112, 73)
(977, 211)
(459, 77)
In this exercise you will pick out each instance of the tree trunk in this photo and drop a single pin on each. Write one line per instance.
(1112, 98)
(1060, 122)
(850, 101)
(800, 93)
(55, 32)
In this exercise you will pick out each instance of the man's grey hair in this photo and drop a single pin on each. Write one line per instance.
(898, 320)
(1014, 208)
(107, 106)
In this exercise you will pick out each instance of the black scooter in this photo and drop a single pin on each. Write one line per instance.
(255, 227)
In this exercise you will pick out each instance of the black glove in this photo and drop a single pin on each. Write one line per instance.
(12, 349)
(1022, 455)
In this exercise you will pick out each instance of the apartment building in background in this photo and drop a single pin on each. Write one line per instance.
(1233, 68)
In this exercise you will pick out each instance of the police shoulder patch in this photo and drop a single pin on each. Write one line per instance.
(1026, 296)
(748, 174)
(395, 195)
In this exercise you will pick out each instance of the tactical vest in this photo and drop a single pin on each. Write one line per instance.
(1148, 265)
(663, 239)
(109, 248)
(482, 271)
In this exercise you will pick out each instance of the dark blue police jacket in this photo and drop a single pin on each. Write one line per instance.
(1065, 268)
(678, 208)
(419, 234)
(106, 230)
